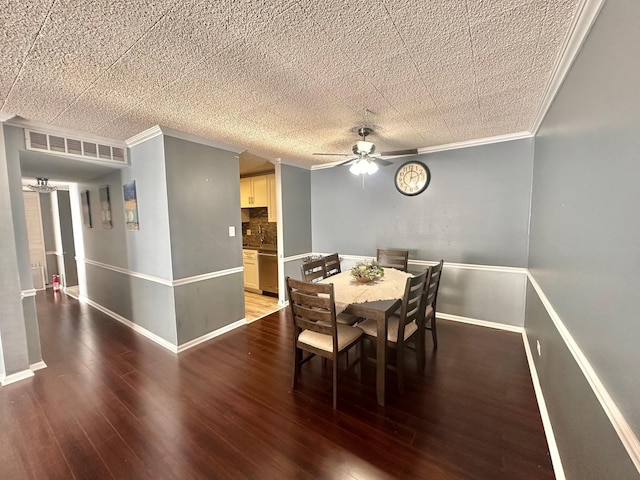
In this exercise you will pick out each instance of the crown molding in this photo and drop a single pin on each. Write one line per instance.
(170, 132)
(294, 163)
(476, 143)
(584, 20)
(16, 121)
(322, 166)
(141, 137)
(447, 146)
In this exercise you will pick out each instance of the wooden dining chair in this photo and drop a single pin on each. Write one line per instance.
(313, 270)
(404, 326)
(332, 264)
(315, 329)
(430, 299)
(393, 258)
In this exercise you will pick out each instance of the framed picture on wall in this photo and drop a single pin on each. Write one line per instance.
(131, 206)
(105, 206)
(86, 208)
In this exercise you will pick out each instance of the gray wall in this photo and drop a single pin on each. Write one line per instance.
(296, 210)
(18, 321)
(184, 232)
(203, 188)
(66, 235)
(588, 444)
(145, 302)
(585, 235)
(48, 235)
(475, 210)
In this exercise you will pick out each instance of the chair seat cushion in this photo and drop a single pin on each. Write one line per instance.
(346, 336)
(346, 318)
(370, 327)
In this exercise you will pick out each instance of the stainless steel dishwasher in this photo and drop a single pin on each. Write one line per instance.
(268, 271)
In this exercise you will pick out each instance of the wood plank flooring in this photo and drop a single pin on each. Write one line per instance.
(257, 306)
(114, 405)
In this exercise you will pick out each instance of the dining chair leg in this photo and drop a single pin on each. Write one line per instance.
(297, 358)
(335, 382)
(434, 333)
(400, 366)
(420, 349)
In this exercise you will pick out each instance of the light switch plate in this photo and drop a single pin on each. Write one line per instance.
(232, 231)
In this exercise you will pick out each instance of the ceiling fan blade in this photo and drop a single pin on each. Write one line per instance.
(334, 154)
(347, 162)
(382, 162)
(400, 153)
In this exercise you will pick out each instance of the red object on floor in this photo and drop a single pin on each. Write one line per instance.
(56, 283)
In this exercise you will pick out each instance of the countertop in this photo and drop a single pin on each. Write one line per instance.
(265, 248)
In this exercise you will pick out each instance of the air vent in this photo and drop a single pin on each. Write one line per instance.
(90, 149)
(78, 148)
(105, 152)
(57, 144)
(39, 141)
(118, 154)
(74, 147)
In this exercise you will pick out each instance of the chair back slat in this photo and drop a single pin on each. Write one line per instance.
(393, 258)
(313, 270)
(412, 301)
(312, 306)
(431, 291)
(332, 264)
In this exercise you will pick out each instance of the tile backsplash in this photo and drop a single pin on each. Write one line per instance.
(258, 219)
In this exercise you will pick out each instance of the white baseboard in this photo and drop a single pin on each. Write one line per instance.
(210, 335)
(159, 340)
(482, 323)
(16, 377)
(134, 326)
(38, 366)
(544, 413)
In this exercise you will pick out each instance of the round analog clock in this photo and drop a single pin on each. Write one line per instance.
(412, 178)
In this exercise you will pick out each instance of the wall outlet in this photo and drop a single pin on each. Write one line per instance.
(232, 231)
(248, 231)
(538, 346)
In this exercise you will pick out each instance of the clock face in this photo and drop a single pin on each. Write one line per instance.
(412, 178)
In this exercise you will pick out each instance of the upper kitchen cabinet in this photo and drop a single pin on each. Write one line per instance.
(254, 192)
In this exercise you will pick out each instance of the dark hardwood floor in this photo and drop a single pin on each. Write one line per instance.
(112, 404)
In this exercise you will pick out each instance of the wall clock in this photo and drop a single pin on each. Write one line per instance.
(412, 178)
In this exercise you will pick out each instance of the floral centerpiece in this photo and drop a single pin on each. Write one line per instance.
(367, 271)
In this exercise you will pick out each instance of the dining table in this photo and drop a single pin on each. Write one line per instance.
(378, 300)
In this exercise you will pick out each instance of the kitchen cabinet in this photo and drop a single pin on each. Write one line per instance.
(251, 272)
(253, 192)
(272, 215)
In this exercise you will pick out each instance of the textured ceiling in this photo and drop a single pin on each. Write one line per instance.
(283, 78)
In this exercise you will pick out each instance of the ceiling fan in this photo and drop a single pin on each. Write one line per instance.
(366, 160)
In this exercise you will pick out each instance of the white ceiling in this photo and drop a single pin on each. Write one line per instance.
(285, 78)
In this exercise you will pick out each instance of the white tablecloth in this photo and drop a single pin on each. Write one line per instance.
(348, 290)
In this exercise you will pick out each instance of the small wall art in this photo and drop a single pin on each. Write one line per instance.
(86, 208)
(131, 206)
(105, 206)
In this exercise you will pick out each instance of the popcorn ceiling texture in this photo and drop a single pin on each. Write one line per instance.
(285, 78)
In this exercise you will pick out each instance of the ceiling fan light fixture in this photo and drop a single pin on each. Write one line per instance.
(364, 166)
(364, 147)
(42, 186)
